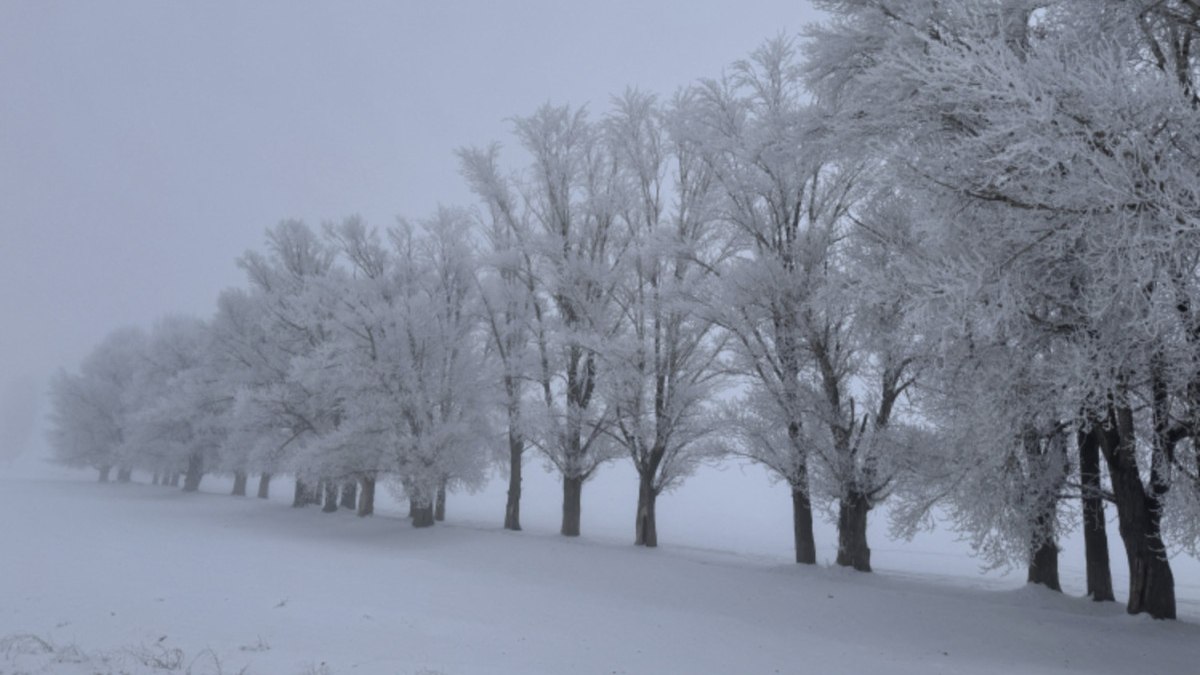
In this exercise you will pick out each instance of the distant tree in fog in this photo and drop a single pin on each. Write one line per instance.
(182, 416)
(91, 410)
(276, 409)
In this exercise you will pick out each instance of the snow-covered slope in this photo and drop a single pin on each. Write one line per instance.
(116, 578)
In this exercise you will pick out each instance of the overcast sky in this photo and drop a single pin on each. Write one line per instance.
(145, 145)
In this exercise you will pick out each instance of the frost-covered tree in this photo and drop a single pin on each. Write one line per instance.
(91, 409)
(247, 360)
(514, 314)
(277, 411)
(403, 367)
(1054, 144)
(783, 199)
(570, 195)
(662, 368)
(182, 415)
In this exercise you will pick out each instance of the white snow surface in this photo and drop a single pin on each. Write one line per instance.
(139, 579)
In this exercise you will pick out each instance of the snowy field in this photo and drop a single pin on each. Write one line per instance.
(141, 579)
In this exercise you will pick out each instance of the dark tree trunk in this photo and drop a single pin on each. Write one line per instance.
(1151, 584)
(512, 509)
(1044, 559)
(264, 485)
(852, 531)
(1043, 565)
(154, 479)
(366, 496)
(572, 508)
(422, 514)
(174, 479)
(124, 474)
(195, 472)
(1095, 533)
(802, 526)
(412, 508)
(300, 497)
(349, 495)
(104, 471)
(331, 496)
(646, 526)
(239, 484)
(439, 505)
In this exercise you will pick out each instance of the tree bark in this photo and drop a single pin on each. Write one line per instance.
(239, 484)
(646, 525)
(366, 497)
(154, 479)
(174, 482)
(802, 526)
(264, 485)
(349, 495)
(422, 514)
(852, 531)
(439, 505)
(572, 508)
(1151, 583)
(331, 496)
(124, 474)
(195, 471)
(1047, 457)
(1043, 563)
(1095, 533)
(104, 471)
(300, 497)
(512, 509)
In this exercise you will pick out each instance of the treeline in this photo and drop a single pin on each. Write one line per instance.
(939, 253)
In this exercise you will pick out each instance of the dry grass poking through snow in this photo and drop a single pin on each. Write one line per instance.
(26, 653)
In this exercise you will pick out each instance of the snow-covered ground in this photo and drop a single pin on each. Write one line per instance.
(129, 578)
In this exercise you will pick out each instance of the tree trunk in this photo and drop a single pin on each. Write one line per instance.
(1044, 556)
(1095, 533)
(239, 484)
(349, 495)
(104, 471)
(422, 514)
(439, 505)
(852, 531)
(331, 496)
(572, 507)
(300, 496)
(512, 509)
(1043, 564)
(1047, 462)
(174, 479)
(154, 479)
(264, 485)
(124, 474)
(802, 526)
(646, 525)
(195, 472)
(366, 497)
(1151, 584)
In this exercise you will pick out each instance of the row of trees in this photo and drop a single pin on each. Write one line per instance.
(947, 257)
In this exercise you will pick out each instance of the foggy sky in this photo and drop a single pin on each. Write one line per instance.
(145, 145)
